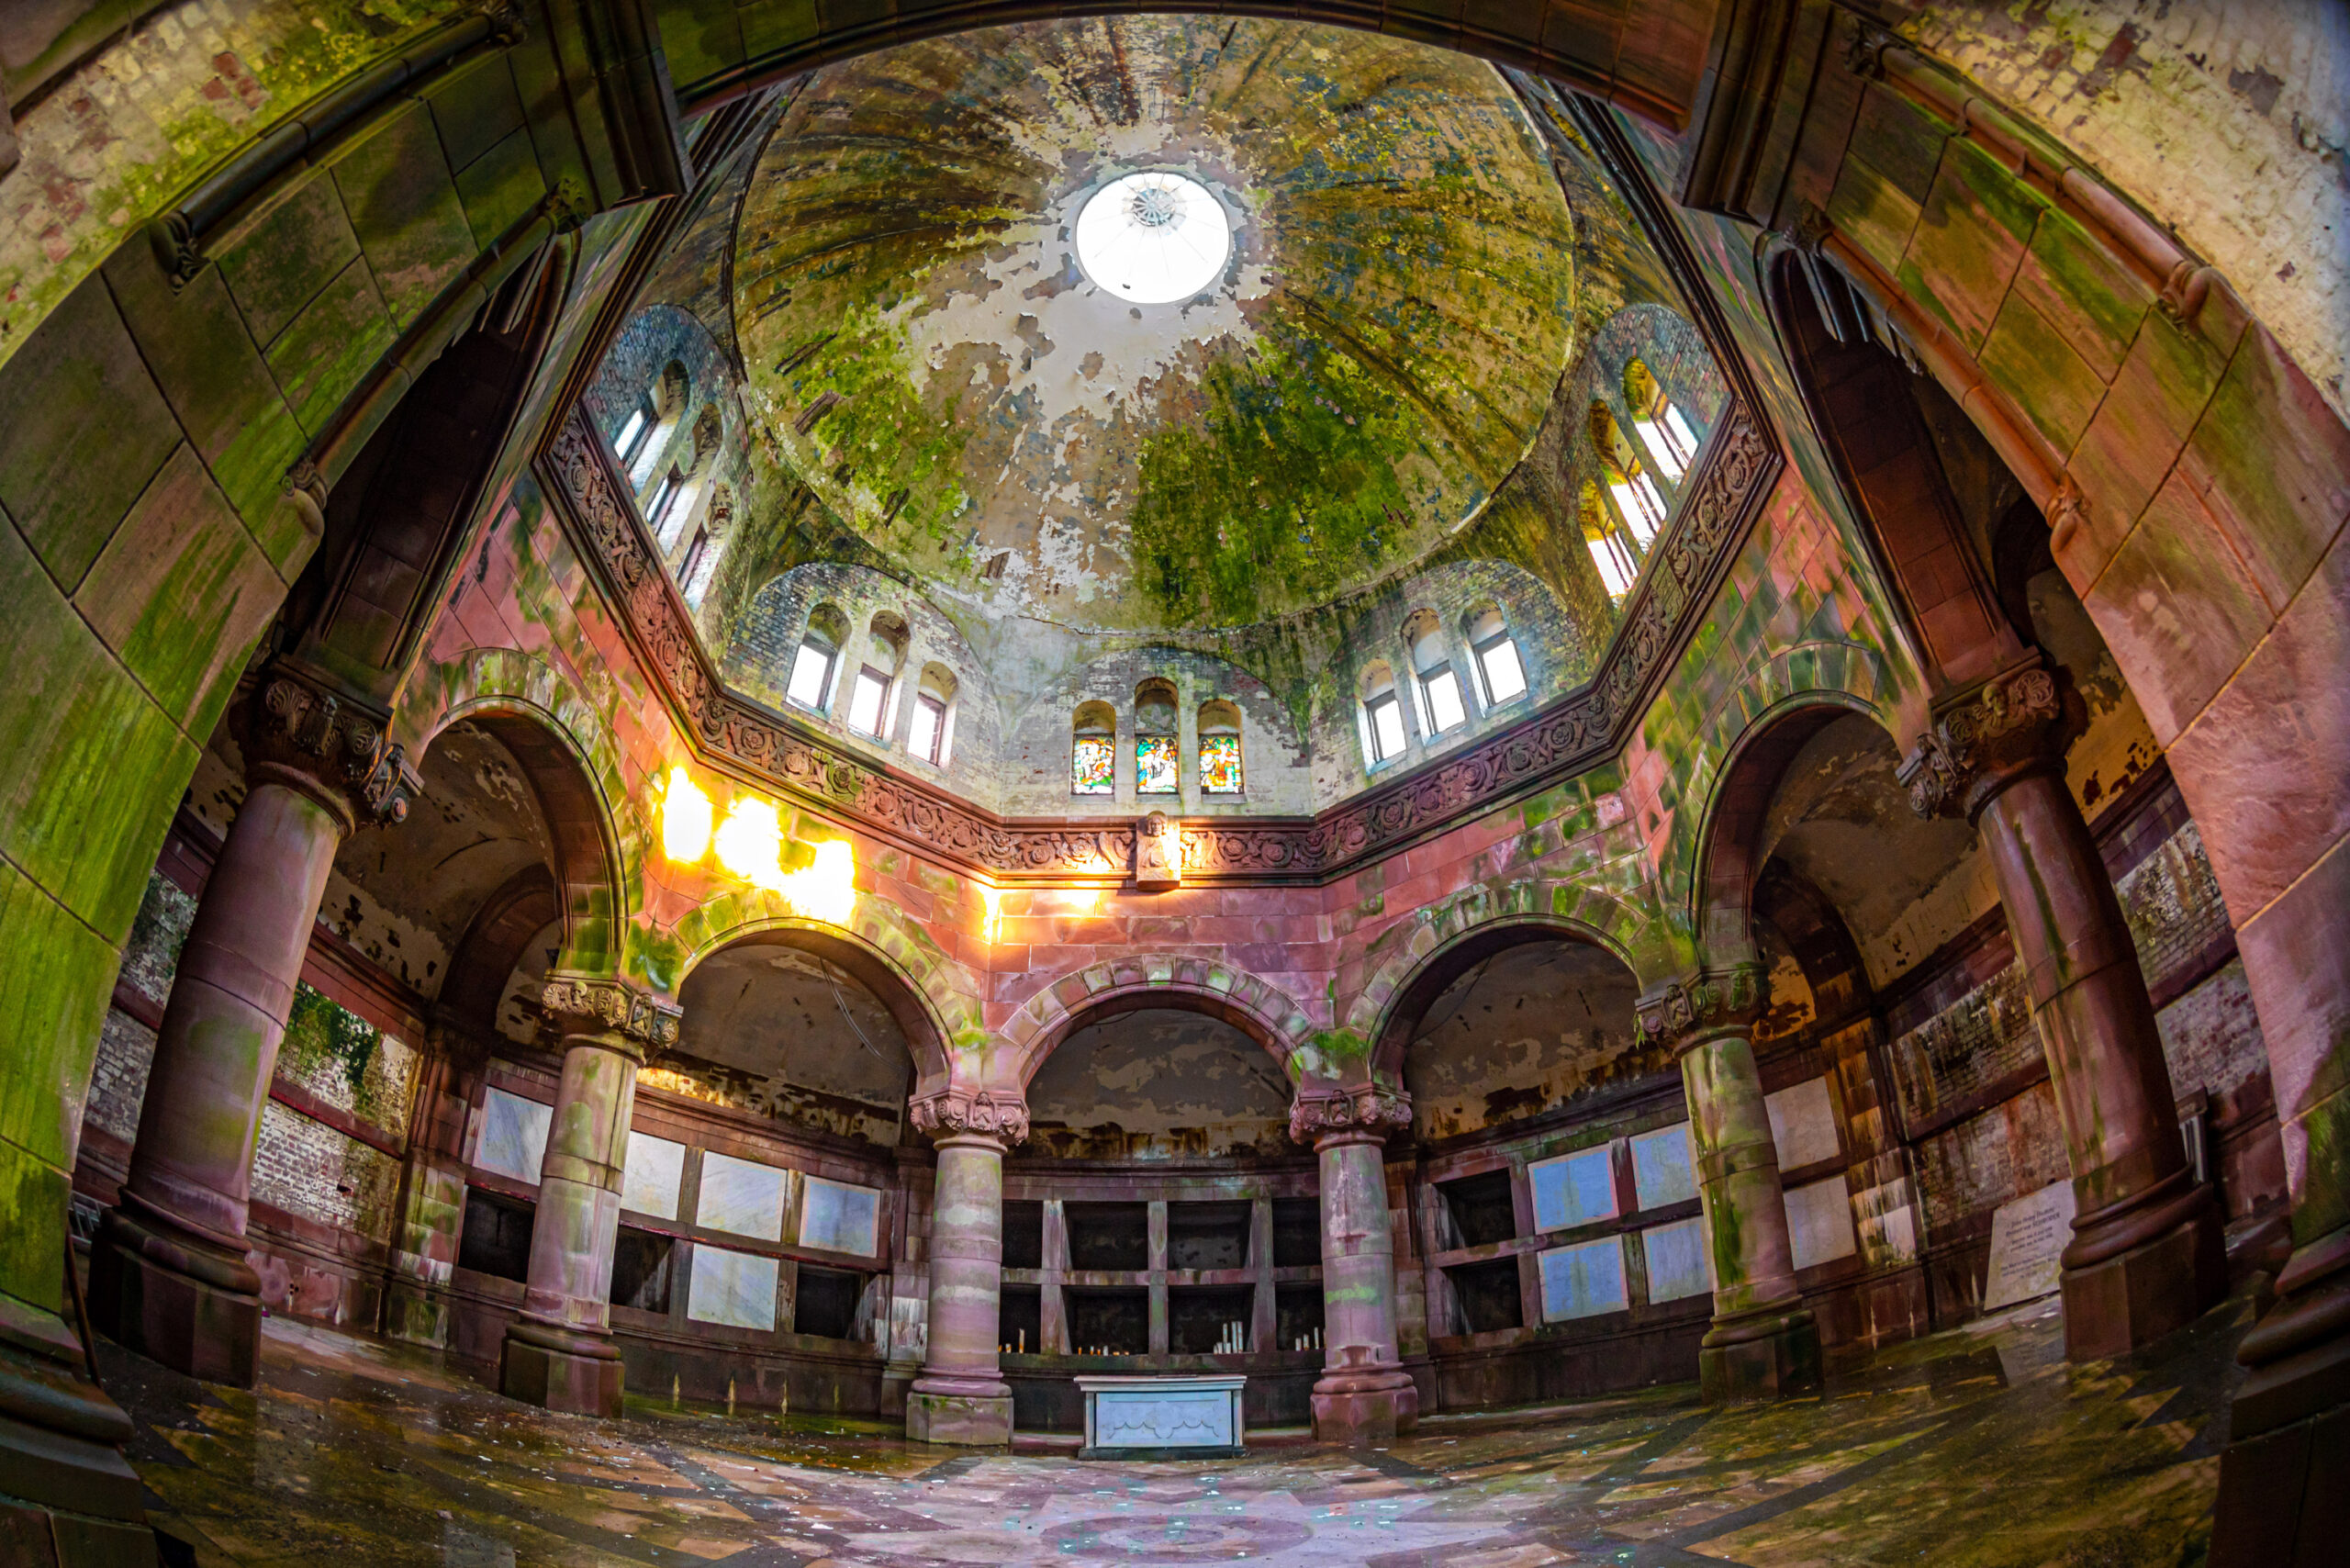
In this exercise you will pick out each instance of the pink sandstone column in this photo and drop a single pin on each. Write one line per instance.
(1363, 1395)
(961, 1397)
(2146, 1255)
(168, 1275)
(560, 1353)
(433, 1195)
(1762, 1342)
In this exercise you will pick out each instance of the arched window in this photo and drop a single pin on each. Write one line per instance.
(1616, 556)
(1219, 748)
(644, 436)
(1635, 494)
(1671, 442)
(1094, 750)
(1383, 715)
(931, 734)
(1441, 707)
(700, 562)
(1498, 665)
(885, 650)
(663, 510)
(1158, 763)
(811, 666)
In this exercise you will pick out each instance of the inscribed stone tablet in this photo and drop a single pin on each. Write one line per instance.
(1802, 1124)
(656, 1166)
(514, 1135)
(1661, 1168)
(1573, 1189)
(1820, 1221)
(839, 1217)
(2028, 1241)
(740, 1197)
(1583, 1280)
(1676, 1261)
(733, 1288)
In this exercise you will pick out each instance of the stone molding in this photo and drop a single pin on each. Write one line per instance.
(614, 1006)
(2011, 724)
(1365, 1108)
(333, 745)
(957, 1113)
(1703, 1004)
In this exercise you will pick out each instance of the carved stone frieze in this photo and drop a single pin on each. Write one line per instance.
(1734, 473)
(614, 1006)
(1703, 1003)
(953, 1113)
(1158, 852)
(331, 748)
(2013, 723)
(1367, 1107)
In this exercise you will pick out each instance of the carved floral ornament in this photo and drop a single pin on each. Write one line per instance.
(1368, 1108)
(2011, 724)
(960, 1113)
(613, 1006)
(1688, 1010)
(1735, 473)
(330, 744)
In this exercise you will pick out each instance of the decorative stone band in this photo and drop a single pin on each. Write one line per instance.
(956, 1113)
(613, 1006)
(1707, 1002)
(330, 749)
(2013, 723)
(1367, 1108)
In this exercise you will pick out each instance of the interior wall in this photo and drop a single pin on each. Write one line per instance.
(1157, 1084)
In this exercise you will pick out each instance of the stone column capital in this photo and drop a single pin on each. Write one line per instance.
(1000, 1114)
(635, 1021)
(1691, 1010)
(1364, 1111)
(1988, 736)
(298, 733)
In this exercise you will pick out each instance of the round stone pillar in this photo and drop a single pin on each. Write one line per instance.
(168, 1275)
(961, 1397)
(1363, 1395)
(560, 1353)
(2146, 1255)
(1762, 1343)
(432, 1194)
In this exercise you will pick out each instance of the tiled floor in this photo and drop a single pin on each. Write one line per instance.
(1978, 1447)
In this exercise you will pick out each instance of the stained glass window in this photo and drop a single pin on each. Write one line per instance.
(1092, 763)
(1156, 771)
(1220, 764)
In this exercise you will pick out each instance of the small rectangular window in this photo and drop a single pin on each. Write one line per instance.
(865, 703)
(1386, 726)
(811, 675)
(656, 515)
(930, 728)
(631, 441)
(1092, 764)
(1220, 764)
(1444, 698)
(693, 563)
(1156, 769)
(1505, 677)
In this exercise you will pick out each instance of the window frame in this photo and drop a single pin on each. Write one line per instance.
(636, 430)
(1372, 706)
(809, 644)
(880, 682)
(1478, 652)
(925, 703)
(1451, 678)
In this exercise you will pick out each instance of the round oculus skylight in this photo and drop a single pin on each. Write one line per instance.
(1153, 238)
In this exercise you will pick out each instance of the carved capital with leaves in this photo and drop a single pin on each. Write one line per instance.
(594, 1003)
(2013, 725)
(1374, 1108)
(328, 747)
(1707, 1003)
(1000, 1113)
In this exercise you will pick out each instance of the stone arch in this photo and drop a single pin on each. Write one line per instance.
(1264, 1013)
(1467, 931)
(574, 764)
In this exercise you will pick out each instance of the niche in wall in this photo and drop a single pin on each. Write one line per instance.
(1297, 1316)
(1109, 1237)
(825, 1304)
(1481, 1208)
(1020, 1319)
(497, 1238)
(1023, 1234)
(1199, 1319)
(1488, 1296)
(1297, 1234)
(1207, 1235)
(1111, 1322)
(641, 1271)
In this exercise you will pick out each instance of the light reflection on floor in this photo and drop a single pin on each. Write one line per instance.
(1977, 1447)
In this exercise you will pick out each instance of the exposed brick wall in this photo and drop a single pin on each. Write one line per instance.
(309, 1170)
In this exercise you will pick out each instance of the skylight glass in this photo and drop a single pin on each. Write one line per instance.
(1153, 238)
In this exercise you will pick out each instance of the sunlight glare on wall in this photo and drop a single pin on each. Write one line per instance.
(685, 819)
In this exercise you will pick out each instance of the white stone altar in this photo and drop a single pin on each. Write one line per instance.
(1137, 1417)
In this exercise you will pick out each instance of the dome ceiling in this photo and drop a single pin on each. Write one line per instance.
(1375, 356)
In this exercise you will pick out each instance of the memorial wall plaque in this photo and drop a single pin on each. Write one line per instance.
(2028, 1240)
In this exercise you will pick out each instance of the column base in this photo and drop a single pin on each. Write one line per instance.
(1770, 1358)
(2287, 1465)
(968, 1412)
(2128, 1298)
(64, 1482)
(417, 1314)
(560, 1369)
(1358, 1408)
(175, 1297)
